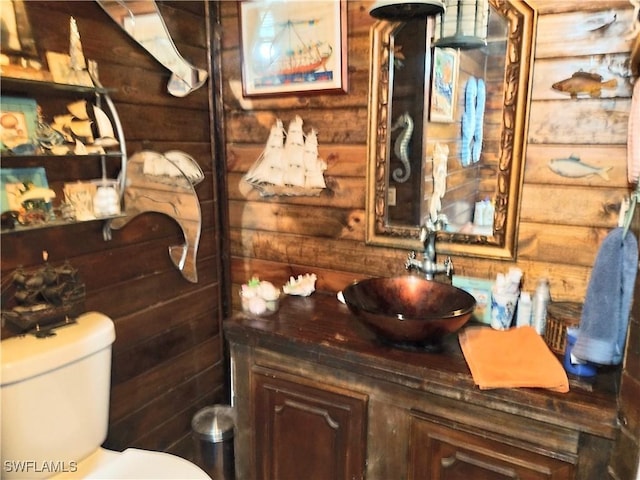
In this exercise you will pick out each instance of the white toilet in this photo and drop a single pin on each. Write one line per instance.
(55, 409)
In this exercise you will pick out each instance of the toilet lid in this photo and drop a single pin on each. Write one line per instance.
(145, 464)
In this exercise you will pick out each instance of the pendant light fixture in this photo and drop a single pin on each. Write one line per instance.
(464, 25)
(399, 10)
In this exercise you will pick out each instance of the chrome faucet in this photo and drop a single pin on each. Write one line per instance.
(428, 266)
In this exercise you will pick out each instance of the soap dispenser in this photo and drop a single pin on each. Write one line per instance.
(524, 310)
(541, 299)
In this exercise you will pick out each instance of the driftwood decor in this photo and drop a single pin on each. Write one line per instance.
(164, 184)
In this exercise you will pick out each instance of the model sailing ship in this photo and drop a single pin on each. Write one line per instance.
(38, 297)
(289, 163)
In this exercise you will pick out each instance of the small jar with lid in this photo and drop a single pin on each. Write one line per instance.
(106, 201)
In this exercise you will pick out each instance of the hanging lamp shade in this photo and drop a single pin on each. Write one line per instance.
(406, 10)
(464, 25)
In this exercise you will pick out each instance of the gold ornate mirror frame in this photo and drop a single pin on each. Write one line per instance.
(521, 20)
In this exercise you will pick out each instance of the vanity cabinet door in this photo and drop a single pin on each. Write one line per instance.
(307, 430)
(438, 452)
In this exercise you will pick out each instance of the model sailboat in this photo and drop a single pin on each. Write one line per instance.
(289, 163)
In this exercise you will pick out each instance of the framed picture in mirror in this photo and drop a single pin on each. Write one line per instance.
(293, 47)
(444, 84)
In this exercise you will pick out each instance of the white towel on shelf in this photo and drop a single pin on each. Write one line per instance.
(633, 136)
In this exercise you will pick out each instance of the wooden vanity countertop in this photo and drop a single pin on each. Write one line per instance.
(322, 330)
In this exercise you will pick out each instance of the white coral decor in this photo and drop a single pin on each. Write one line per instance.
(267, 291)
(303, 286)
(259, 297)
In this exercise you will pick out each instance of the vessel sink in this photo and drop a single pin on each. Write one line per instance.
(409, 310)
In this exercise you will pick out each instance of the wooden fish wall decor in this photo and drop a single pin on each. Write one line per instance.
(584, 83)
(601, 21)
(573, 167)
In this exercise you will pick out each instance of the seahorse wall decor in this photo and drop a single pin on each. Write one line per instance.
(401, 146)
(164, 184)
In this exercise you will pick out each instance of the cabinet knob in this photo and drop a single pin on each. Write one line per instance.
(483, 464)
(622, 419)
(446, 462)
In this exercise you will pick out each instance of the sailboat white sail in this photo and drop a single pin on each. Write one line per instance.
(293, 154)
(269, 168)
(289, 163)
(314, 166)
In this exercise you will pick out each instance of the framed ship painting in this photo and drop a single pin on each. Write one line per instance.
(293, 47)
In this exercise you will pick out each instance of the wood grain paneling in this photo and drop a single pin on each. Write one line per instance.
(168, 354)
(563, 220)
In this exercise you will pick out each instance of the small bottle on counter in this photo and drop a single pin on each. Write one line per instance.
(488, 213)
(478, 213)
(524, 310)
(541, 299)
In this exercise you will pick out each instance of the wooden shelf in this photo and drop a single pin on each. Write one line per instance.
(27, 86)
(45, 156)
(54, 223)
(47, 91)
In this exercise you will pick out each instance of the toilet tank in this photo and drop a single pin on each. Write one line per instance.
(55, 397)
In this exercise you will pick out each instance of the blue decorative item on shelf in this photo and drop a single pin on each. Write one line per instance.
(581, 369)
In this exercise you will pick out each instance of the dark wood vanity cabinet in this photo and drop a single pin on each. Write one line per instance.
(305, 430)
(317, 396)
(441, 452)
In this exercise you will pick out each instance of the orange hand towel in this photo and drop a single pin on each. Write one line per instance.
(511, 358)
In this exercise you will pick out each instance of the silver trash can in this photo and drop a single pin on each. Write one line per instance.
(213, 430)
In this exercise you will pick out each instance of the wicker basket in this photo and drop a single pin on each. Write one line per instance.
(560, 316)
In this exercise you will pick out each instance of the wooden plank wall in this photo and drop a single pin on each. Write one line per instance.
(168, 354)
(562, 221)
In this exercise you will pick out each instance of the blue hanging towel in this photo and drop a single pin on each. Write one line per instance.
(468, 121)
(477, 136)
(605, 314)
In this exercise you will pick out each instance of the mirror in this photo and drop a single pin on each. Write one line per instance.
(422, 158)
(142, 20)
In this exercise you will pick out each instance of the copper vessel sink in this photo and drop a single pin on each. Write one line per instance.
(409, 310)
